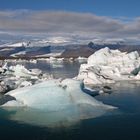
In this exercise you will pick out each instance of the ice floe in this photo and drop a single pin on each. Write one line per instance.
(12, 77)
(109, 66)
(21, 71)
(54, 96)
(81, 59)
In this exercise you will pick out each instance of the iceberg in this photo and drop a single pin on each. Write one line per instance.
(81, 59)
(109, 66)
(33, 61)
(57, 96)
(12, 77)
(53, 95)
(21, 71)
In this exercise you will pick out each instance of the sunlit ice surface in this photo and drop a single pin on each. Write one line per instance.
(54, 103)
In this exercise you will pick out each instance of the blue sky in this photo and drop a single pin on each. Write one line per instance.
(114, 8)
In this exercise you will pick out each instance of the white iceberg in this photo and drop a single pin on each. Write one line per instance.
(81, 59)
(18, 76)
(58, 96)
(53, 95)
(21, 71)
(33, 61)
(109, 66)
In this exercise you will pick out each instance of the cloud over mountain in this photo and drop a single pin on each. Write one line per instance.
(62, 22)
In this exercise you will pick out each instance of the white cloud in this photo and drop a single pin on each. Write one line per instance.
(70, 23)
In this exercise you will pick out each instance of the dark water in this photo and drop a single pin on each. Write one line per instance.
(123, 125)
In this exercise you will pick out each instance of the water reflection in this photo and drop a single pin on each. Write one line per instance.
(63, 118)
(60, 69)
(40, 118)
(125, 95)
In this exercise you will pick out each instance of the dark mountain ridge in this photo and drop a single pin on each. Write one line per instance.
(67, 51)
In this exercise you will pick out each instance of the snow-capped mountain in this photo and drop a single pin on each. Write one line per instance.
(60, 41)
(109, 41)
(63, 46)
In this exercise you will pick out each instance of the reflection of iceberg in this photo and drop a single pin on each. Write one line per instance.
(57, 65)
(37, 117)
(55, 97)
(63, 118)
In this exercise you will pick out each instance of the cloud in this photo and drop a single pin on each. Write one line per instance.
(72, 23)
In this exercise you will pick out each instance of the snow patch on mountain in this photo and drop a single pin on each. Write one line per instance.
(19, 44)
(18, 54)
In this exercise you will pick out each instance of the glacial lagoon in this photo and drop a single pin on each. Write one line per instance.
(31, 124)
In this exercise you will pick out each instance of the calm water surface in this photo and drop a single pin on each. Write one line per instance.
(24, 124)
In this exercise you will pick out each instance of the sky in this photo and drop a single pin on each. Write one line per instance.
(128, 8)
(83, 18)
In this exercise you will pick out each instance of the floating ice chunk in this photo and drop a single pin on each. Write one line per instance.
(33, 61)
(82, 59)
(108, 66)
(56, 95)
(36, 71)
(18, 76)
(21, 71)
(55, 101)
(60, 59)
(52, 59)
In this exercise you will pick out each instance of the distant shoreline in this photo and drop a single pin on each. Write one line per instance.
(29, 58)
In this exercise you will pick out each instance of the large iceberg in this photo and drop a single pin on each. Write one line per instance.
(53, 95)
(109, 66)
(58, 96)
